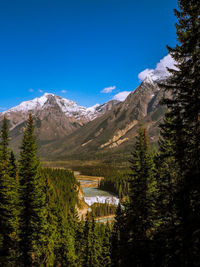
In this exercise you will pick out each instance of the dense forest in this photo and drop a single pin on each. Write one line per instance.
(158, 223)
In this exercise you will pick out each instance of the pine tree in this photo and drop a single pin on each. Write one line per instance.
(51, 220)
(8, 204)
(167, 170)
(79, 241)
(87, 242)
(106, 247)
(13, 169)
(184, 108)
(91, 245)
(66, 243)
(33, 224)
(167, 182)
(141, 210)
(117, 237)
(94, 245)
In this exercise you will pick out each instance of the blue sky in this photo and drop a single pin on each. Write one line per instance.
(76, 48)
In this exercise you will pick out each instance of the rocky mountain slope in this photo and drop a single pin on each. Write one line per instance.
(54, 116)
(113, 134)
(115, 131)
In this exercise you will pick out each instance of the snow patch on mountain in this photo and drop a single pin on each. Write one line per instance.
(121, 96)
(93, 108)
(93, 112)
(160, 72)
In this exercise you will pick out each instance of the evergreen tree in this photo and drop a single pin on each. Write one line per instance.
(95, 246)
(66, 244)
(106, 247)
(79, 238)
(167, 182)
(167, 170)
(141, 210)
(184, 108)
(51, 220)
(119, 238)
(87, 242)
(33, 224)
(91, 243)
(62, 246)
(13, 169)
(9, 253)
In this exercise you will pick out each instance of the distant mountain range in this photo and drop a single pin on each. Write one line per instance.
(66, 130)
(55, 117)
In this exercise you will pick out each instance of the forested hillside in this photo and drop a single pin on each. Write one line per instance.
(39, 222)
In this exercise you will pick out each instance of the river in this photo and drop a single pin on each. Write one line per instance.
(92, 194)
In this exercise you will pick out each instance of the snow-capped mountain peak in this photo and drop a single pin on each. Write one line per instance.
(48, 94)
(54, 116)
(30, 105)
(51, 102)
(67, 106)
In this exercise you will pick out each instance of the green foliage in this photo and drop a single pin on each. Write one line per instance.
(119, 238)
(33, 224)
(184, 130)
(39, 222)
(66, 187)
(106, 248)
(65, 248)
(61, 199)
(102, 209)
(9, 235)
(141, 211)
(96, 244)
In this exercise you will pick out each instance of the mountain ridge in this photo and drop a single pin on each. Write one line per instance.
(68, 107)
(54, 117)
